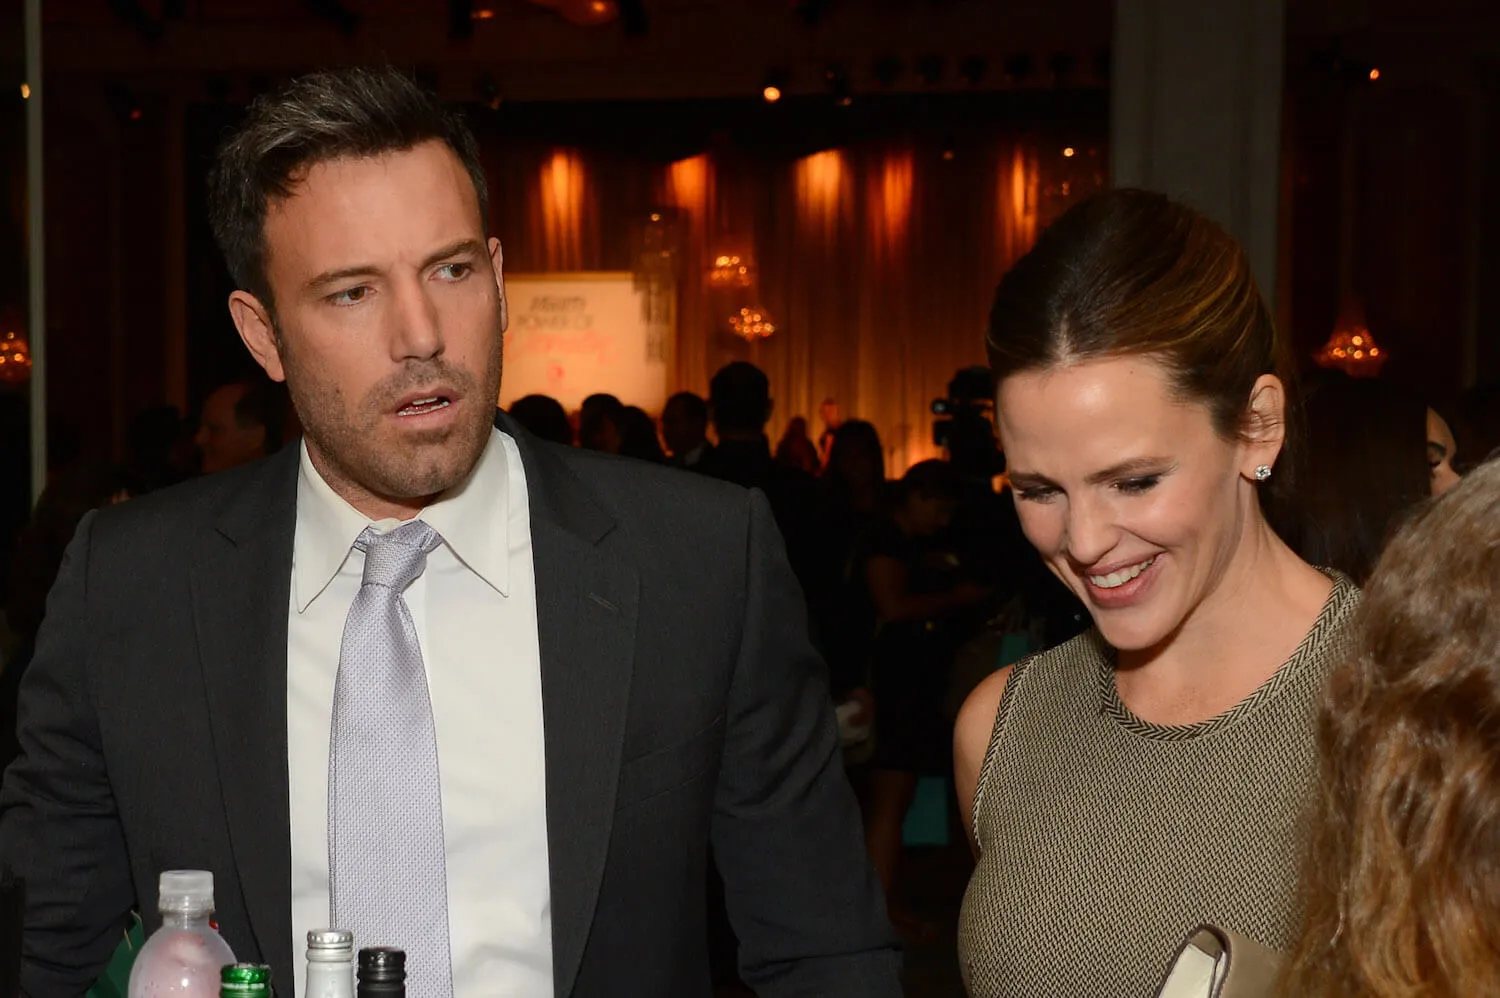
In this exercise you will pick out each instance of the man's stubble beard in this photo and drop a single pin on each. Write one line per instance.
(351, 450)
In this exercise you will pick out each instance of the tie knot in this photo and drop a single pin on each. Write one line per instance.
(395, 558)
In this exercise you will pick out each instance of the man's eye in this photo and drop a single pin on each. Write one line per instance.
(352, 296)
(454, 271)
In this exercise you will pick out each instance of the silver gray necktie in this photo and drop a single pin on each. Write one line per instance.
(386, 864)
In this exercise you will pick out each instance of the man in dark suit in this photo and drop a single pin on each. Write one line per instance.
(464, 692)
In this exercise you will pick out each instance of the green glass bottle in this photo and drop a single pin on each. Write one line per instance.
(239, 980)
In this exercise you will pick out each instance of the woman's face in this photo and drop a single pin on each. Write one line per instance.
(1441, 450)
(1130, 495)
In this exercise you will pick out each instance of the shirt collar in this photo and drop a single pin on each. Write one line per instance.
(472, 519)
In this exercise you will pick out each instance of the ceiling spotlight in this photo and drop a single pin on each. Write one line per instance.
(1374, 75)
(771, 94)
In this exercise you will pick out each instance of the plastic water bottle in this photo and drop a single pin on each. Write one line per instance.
(184, 957)
(330, 964)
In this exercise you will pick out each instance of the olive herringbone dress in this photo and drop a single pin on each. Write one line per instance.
(1105, 839)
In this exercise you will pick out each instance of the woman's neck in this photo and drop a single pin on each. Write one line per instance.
(1250, 623)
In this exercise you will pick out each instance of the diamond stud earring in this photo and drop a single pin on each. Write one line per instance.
(1263, 473)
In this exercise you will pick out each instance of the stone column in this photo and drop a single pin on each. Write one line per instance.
(1196, 112)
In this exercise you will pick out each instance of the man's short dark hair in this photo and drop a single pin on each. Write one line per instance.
(741, 397)
(693, 407)
(322, 116)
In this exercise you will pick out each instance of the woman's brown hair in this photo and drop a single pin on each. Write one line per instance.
(1365, 468)
(1403, 873)
(1130, 272)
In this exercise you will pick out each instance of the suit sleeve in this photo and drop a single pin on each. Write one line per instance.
(800, 892)
(59, 829)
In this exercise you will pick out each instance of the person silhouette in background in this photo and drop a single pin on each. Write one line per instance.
(914, 594)
(241, 422)
(600, 423)
(741, 406)
(832, 418)
(796, 449)
(544, 417)
(684, 427)
(1368, 461)
(638, 436)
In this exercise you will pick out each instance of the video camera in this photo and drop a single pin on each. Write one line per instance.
(966, 427)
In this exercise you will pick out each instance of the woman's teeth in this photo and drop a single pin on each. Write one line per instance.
(1114, 580)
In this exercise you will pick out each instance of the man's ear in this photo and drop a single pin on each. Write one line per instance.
(258, 332)
(497, 263)
(1265, 425)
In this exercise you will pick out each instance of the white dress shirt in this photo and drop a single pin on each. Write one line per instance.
(475, 614)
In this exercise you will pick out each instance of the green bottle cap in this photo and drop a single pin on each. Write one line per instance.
(245, 979)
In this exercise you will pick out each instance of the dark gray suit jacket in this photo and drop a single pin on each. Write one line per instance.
(683, 706)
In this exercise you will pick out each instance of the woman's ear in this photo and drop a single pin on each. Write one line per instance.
(1265, 426)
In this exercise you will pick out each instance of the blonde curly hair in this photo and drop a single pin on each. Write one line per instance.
(1403, 875)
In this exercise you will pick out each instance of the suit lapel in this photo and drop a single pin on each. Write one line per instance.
(241, 591)
(587, 600)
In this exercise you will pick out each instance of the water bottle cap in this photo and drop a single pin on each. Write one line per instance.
(331, 942)
(185, 890)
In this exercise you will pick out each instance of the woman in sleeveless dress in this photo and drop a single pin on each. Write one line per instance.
(1153, 774)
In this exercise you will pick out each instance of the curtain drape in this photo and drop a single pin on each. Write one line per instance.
(876, 262)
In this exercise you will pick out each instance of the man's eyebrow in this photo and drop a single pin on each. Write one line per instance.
(459, 247)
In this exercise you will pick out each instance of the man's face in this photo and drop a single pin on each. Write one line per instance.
(680, 430)
(390, 310)
(222, 440)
